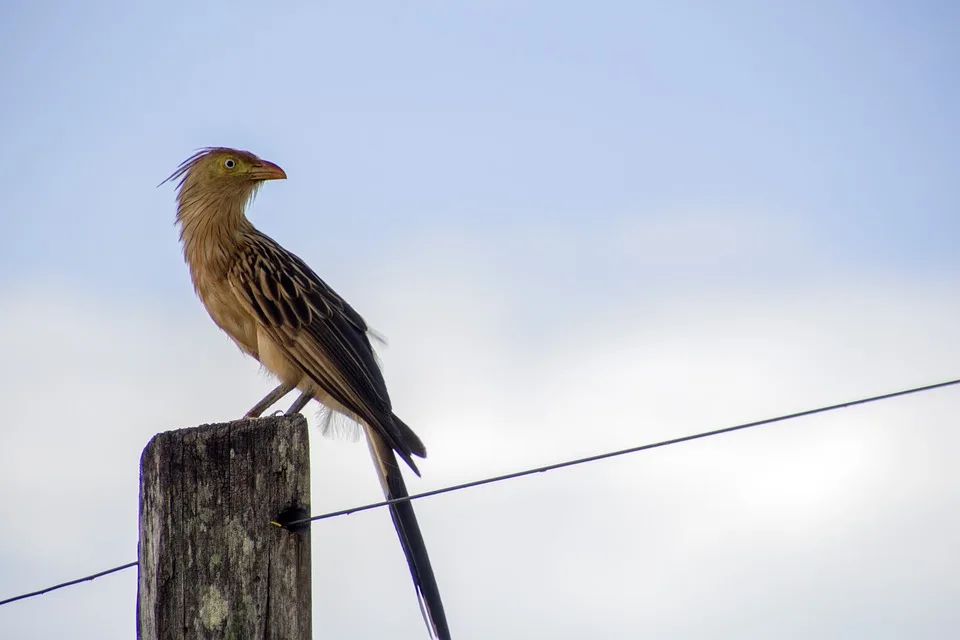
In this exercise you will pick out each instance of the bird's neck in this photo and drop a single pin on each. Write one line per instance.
(212, 228)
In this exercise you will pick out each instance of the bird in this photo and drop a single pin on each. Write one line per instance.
(280, 312)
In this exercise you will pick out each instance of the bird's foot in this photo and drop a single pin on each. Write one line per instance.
(299, 403)
(257, 410)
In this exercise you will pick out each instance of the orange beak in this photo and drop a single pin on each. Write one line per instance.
(268, 171)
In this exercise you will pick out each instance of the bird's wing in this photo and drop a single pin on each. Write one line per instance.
(319, 332)
(327, 339)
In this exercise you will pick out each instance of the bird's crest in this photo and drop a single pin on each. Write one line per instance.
(197, 156)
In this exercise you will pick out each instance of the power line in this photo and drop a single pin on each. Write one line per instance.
(621, 452)
(543, 469)
(68, 584)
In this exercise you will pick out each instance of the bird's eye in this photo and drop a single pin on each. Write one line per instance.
(229, 163)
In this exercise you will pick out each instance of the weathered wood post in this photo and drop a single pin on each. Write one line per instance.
(210, 563)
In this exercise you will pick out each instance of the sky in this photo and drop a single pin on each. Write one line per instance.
(581, 227)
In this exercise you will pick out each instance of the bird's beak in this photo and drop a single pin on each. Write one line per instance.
(268, 171)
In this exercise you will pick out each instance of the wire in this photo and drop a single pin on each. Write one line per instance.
(621, 452)
(68, 584)
(543, 469)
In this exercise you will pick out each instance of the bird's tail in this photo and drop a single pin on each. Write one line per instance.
(414, 548)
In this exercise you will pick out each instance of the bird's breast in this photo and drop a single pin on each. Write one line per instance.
(226, 311)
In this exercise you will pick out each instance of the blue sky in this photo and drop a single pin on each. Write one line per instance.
(581, 226)
(392, 119)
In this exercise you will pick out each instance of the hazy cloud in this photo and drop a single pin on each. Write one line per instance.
(739, 536)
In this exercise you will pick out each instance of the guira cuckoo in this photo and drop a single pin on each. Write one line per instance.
(277, 310)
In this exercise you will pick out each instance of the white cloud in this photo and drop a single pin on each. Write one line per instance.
(806, 528)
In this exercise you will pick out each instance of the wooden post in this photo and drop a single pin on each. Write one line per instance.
(210, 563)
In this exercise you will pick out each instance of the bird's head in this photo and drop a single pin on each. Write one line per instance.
(217, 183)
(224, 170)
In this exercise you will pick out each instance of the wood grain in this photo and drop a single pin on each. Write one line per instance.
(211, 565)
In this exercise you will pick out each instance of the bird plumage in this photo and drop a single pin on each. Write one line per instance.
(277, 310)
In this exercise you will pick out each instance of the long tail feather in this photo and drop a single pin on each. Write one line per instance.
(414, 548)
